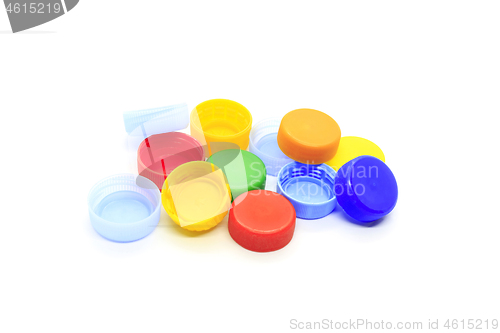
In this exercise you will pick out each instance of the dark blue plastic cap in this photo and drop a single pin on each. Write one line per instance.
(366, 189)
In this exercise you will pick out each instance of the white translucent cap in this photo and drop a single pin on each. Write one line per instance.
(264, 144)
(144, 123)
(124, 207)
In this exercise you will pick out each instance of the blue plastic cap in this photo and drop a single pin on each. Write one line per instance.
(310, 188)
(366, 189)
(124, 208)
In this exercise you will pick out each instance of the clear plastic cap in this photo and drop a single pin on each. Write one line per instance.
(264, 144)
(124, 208)
(144, 123)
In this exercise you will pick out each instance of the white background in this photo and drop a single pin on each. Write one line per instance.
(419, 78)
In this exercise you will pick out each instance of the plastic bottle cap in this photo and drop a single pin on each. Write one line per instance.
(366, 188)
(309, 136)
(244, 171)
(145, 123)
(196, 195)
(261, 221)
(124, 208)
(351, 147)
(158, 155)
(310, 189)
(221, 124)
(157, 120)
(264, 144)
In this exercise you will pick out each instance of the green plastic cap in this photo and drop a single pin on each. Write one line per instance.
(244, 171)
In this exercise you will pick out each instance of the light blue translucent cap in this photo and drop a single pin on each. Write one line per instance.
(124, 208)
(309, 187)
(144, 123)
(264, 144)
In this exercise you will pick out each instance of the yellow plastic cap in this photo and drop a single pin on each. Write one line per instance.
(196, 195)
(220, 124)
(308, 136)
(351, 147)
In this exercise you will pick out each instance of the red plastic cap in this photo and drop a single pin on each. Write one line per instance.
(159, 154)
(262, 221)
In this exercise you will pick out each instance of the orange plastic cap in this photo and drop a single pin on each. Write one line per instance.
(309, 136)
